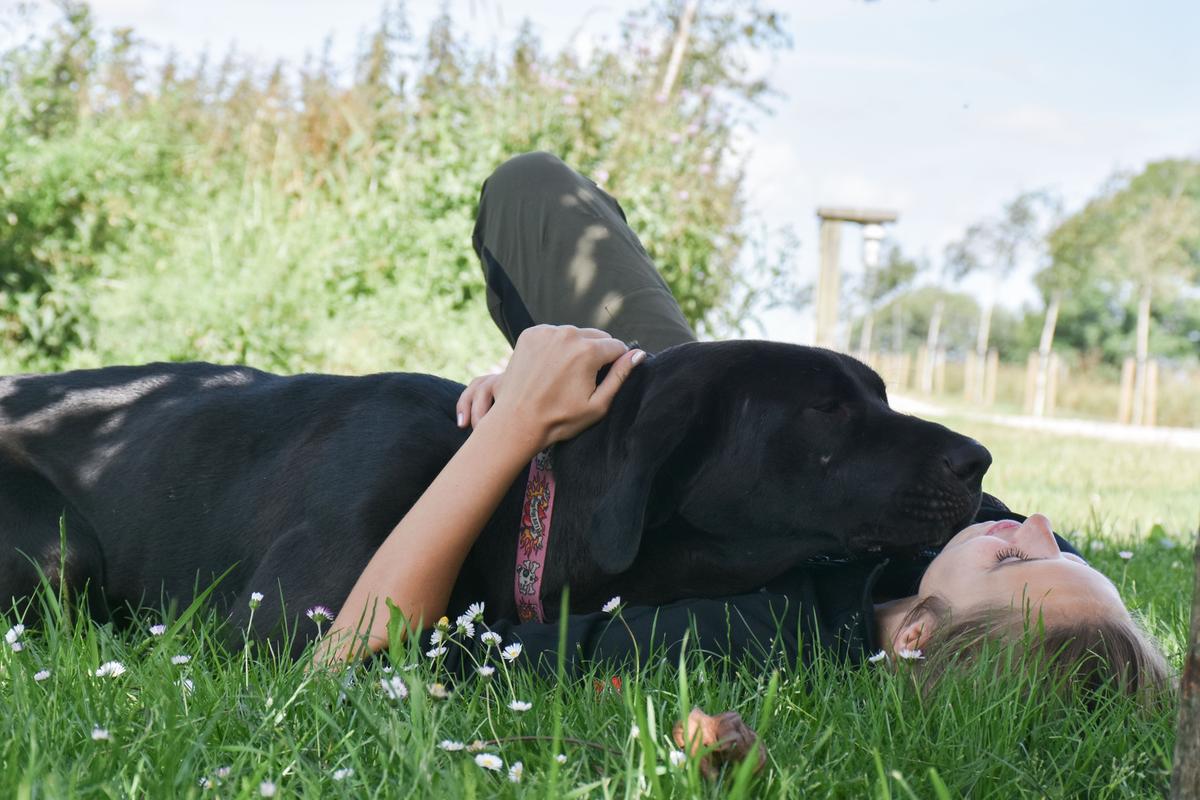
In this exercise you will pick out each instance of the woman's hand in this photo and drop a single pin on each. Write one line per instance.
(549, 392)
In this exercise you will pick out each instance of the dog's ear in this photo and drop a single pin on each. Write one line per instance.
(635, 453)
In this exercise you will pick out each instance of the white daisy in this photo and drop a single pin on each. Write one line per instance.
(474, 612)
(256, 599)
(476, 746)
(394, 688)
(520, 705)
(451, 746)
(561, 758)
(343, 773)
(17, 647)
(110, 669)
(612, 605)
(435, 637)
(909, 655)
(205, 782)
(438, 691)
(677, 758)
(158, 630)
(486, 671)
(179, 660)
(466, 627)
(266, 789)
(186, 685)
(516, 772)
(223, 772)
(634, 731)
(319, 615)
(41, 675)
(490, 637)
(511, 652)
(880, 656)
(14, 633)
(440, 650)
(489, 761)
(1126, 554)
(100, 734)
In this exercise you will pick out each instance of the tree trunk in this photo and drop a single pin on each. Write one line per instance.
(677, 51)
(1039, 390)
(1143, 352)
(897, 329)
(931, 347)
(1185, 783)
(865, 336)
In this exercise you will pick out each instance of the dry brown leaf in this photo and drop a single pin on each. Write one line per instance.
(729, 738)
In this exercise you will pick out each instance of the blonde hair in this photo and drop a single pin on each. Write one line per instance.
(1084, 657)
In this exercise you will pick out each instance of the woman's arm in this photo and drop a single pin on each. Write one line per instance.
(549, 393)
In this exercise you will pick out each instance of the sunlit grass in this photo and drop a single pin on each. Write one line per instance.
(829, 730)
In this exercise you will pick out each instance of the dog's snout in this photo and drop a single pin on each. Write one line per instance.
(968, 460)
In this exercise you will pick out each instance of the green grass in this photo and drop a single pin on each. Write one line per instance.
(829, 731)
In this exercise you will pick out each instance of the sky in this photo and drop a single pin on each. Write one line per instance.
(939, 109)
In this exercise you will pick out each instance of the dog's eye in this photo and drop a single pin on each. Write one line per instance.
(829, 407)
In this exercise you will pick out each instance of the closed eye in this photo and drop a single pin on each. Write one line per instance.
(1011, 552)
(829, 407)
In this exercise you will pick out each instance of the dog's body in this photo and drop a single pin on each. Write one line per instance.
(718, 467)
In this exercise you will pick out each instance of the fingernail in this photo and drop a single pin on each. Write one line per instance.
(460, 419)
(638, 357)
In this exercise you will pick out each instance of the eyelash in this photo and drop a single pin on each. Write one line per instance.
(1011, 552)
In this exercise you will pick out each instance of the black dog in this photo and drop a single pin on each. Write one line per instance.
(718, 467)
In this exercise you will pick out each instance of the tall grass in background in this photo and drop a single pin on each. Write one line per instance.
(318, 217)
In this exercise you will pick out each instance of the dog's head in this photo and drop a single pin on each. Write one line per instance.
(742, 459)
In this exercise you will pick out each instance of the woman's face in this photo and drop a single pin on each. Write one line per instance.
(1003, 564)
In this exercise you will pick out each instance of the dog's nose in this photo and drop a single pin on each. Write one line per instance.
(969, 460)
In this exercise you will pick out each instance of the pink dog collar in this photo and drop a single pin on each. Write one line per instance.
(534, 538)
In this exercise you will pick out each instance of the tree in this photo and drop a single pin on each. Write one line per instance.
(1137, 243)
(996, 246)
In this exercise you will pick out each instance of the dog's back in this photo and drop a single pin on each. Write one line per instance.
(249, 467)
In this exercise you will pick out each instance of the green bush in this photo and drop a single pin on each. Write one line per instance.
(295, 221)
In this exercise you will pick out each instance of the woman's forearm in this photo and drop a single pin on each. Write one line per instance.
(417, 564)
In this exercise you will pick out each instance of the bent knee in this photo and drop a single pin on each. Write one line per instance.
(529, 172)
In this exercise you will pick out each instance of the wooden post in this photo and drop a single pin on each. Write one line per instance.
(1150, 415)
(1125, 407)
(1053, 374)
(1031, 371)
(939, 370)
(970, 366)
(828, 283)
(991, 374)
(1185, 782)
(924, 373)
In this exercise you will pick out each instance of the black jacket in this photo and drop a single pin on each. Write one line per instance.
(828, 605)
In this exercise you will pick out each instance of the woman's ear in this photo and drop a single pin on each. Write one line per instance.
(917, 628)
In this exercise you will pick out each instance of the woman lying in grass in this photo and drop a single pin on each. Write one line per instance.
(556, 247)
(984, 585)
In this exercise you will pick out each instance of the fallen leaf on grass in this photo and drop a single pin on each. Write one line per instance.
(729, 738)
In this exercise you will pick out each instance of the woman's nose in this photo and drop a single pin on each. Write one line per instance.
(1037, 537)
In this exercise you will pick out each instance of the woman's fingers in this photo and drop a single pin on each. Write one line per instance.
(476, 400)
(621, 369)
(482, 402)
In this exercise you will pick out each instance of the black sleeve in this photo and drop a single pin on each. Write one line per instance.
(752, 625)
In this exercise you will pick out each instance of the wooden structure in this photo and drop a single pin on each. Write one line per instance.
(829, 278)
(1185, 782)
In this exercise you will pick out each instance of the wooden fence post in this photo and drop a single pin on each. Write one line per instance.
(989, 377)
(1125, 407)
(1150, 414)
(1185, 782)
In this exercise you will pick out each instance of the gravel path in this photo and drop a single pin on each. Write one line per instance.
(1184, 438)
